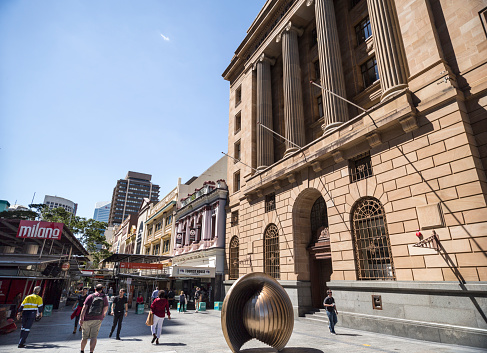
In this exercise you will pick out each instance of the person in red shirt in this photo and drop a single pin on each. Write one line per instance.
(140, 300)
(159, 307)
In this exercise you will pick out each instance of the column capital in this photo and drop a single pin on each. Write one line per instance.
(263, 58)
(289, 28)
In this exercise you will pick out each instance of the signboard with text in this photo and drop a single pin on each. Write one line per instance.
(208, 272)
(40, 230)
(141, 266)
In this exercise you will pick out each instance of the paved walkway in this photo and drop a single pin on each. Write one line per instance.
(201, 333)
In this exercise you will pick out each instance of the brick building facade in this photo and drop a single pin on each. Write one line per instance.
(330, 194)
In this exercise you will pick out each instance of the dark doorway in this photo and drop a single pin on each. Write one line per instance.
(319, 252)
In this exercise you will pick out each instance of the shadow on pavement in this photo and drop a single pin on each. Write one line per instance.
(172, 344)
(285, 350)
(130, 339)
(42, 346)
(347, 334)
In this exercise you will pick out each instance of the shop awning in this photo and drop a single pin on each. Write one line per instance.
(135, 258)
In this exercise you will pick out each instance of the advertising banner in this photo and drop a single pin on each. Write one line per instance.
(141, 266)
(40, 230)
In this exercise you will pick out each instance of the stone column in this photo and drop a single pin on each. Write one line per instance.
(265, 144)
(293, 95)
(331, 70)
(389, 50)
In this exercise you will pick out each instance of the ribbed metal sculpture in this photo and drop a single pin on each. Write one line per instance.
(257, 307)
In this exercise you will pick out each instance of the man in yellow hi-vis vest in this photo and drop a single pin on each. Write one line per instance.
(29, 309)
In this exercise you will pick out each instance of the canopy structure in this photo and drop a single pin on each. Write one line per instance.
(135, 258)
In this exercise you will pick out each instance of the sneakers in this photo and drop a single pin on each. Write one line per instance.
(154, 337)
(21, 346)
(118, 338)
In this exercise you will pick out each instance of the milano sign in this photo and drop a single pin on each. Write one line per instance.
(40, 230)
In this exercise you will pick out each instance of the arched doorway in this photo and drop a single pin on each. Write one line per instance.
(319, 252)
(312, 244)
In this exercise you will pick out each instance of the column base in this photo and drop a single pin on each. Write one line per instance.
(392, 90)
(290, 151)
(262, 168)
(331, 126)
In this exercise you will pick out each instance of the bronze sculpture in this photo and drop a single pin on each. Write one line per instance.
(257, 306)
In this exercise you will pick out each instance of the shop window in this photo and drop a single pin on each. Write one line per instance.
(233, 273)
(270, 202)
(371, 241)
(369, 71)
(271, 252)
(360, 167)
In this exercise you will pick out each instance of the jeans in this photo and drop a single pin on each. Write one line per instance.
(332, 320)
(28, 318)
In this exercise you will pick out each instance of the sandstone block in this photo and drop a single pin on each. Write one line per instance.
(428, 274)
(472, 259)
(409, 262)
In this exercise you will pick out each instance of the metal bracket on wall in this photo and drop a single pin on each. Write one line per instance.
(432, 242)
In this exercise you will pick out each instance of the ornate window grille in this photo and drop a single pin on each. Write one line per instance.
(233, 258)
(319, 221)
(371, 241)
(360, 167)
(271, 252)
(270, 202)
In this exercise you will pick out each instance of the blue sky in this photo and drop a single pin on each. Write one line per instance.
(92, 89)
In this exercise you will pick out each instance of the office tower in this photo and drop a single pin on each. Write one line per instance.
(102, 211)
(56, 201)
(128, 195)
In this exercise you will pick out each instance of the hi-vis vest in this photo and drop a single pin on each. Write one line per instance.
(32, 302)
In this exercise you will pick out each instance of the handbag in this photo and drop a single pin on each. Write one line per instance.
(150, 319)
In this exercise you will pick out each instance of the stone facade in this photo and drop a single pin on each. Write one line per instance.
(408, 153)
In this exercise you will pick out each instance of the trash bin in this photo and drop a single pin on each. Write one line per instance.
(47, 310)
(218, 306)
(140, 308)
(202, 306)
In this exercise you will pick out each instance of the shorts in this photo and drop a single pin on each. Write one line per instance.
(90, 329)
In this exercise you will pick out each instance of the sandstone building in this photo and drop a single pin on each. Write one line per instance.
(331, 194)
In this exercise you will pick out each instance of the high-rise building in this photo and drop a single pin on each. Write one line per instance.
(55, 201)
(102, 211)
(361, 127)
(129, 194)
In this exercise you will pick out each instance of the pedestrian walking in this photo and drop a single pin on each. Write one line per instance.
(31, 307)
(331, 311)
(197, 298)
(94, 311)
(182, 302)
(77, 307)
(159, 307)
(170, 298)
(155, 294)
(120, 309)
(110, 292)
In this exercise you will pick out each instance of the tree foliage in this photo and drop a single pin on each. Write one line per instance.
(89, 232)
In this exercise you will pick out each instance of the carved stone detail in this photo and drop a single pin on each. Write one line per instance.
(276, 184)
(338, 156)
(374, 139)
(291, 178)
(316, 166)
(409, 123)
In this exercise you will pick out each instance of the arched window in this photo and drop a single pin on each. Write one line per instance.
(371, 241)
(271, 251)
(319, 221)
(233, 251)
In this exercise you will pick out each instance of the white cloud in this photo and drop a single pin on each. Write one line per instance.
(164, 37)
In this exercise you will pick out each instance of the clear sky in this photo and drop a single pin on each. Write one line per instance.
(91, 89)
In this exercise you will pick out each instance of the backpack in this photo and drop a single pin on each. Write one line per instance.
(96, 308)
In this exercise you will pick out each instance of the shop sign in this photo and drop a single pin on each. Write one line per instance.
(40, 230)
(193, 271)
(65, 266)
(141, 266)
